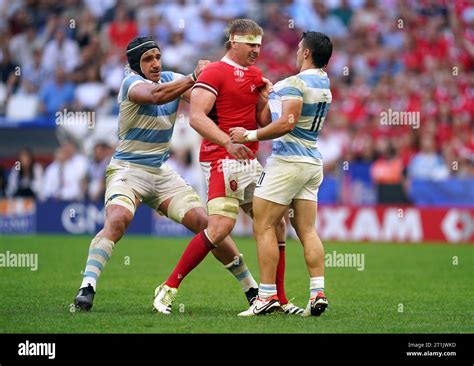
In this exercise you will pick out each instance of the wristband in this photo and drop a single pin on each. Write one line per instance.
(251, 135)
(193, 76)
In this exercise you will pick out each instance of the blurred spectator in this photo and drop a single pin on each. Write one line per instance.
(428, 164)
(300, 12)
(99, 8)
(367, 18)
(63, 177)
(155, 26)
(86, 29)
(8, 72)
(23, 45)
(204, 33)
(91, 94)
(112, 72)
(122, 29)
(333, 143)
(178, 55)
(56, 94)
(95, 179)
(179, 14)
(387, 174)
(344, 12)
(25, 176)
(327, 23)
(223, 11)
(91, 56)
(33, 75)
(19, 19)
(61, 51)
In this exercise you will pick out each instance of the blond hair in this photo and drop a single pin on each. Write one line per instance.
(241, 27)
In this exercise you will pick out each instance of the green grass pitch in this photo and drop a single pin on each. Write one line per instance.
(402, 289)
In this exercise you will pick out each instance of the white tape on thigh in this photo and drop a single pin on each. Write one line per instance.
(182, 203)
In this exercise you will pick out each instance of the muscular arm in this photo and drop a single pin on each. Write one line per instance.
(264, 116)
(291, 112)
(186, 96)
(146, 93)
(201, 104)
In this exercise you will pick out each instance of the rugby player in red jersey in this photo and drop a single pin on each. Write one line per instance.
(229, 93)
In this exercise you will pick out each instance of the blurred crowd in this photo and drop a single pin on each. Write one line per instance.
(397, 55)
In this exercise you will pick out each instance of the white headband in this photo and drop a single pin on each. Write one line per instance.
(248, 38)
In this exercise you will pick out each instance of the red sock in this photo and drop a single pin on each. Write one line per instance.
(195, 252)
(280, 275)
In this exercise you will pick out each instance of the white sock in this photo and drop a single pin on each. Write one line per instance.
(100, 252)
(240, 271)
(266, 290)
(316, 284)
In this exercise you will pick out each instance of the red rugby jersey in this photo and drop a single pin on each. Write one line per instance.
(236, 88)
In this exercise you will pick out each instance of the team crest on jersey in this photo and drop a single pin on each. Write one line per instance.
(239, 74)
(233, 185)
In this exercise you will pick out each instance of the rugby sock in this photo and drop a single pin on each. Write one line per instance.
(316, 284)
(240, 271)
(266, 290)
(195, 252)
(280, 275)
(100, 252)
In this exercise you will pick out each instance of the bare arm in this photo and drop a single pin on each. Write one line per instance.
(201, 104)
(186, 96)
(146, 93)
(290, 115)
(264, 116)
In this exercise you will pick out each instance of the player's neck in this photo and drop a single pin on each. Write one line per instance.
(307, 65)
(234, 59)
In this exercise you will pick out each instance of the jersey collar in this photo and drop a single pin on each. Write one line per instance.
(233, 63)
(315, 71)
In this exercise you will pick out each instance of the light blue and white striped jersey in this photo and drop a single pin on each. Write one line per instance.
(312, 87)
(145, 130)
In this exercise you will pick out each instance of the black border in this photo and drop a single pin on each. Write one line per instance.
(247, 347)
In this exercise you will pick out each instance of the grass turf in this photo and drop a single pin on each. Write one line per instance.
(402, 289)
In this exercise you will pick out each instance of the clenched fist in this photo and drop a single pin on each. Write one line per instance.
(237, 135)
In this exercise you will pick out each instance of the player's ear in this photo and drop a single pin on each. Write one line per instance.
(307, 53)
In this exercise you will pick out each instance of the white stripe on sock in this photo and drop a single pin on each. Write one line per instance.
(266, 290)
(316, 284)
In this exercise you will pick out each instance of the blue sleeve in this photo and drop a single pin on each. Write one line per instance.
(127, 82)
(291, 91)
